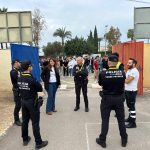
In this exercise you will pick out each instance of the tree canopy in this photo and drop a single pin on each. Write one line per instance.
(62, 33)
(113, 37)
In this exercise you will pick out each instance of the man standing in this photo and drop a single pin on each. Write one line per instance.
(14, 74)
(112, 82)
(30, 110)
(132, 77)
(80, 74)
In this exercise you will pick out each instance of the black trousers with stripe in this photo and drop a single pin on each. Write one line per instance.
(130, 101)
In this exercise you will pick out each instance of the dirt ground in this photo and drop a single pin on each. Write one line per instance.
(6, 111)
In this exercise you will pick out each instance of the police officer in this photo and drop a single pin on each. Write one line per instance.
(119, 65)
(80, 74)
(28, 89)
(112, 82)
(14, 74)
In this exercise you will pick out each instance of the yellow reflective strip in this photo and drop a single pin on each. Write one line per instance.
(25, 74)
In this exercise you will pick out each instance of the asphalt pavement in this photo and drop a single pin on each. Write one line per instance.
(69, 130)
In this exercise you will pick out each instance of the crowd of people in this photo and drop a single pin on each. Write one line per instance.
(108, 73)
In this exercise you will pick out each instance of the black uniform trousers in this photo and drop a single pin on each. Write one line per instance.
(30, 111)
(130, 101)
(78, 86)
(108, 103)
(17, 100)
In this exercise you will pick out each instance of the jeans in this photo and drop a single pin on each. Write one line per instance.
(50, 106)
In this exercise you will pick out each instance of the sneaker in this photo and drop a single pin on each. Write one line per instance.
(43, 144)
(101, 143)
(25, 143)
(18, 123)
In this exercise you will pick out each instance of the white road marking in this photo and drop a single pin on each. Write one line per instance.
(86, 130)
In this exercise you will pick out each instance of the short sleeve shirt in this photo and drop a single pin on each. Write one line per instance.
(132, 86)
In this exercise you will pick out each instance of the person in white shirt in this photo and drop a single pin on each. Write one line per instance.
(131, 84)
(51, 78)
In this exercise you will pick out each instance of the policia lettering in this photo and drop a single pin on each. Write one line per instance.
(80, 74)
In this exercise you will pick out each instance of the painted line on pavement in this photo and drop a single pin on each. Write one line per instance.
(86, 130)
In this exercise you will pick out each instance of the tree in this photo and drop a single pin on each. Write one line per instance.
(76, 46)
(52, 49)
(130, 34)
(38, 25)
(95, 40)
(3, 10)
(90, 43)
(113, 37)
(62, 33)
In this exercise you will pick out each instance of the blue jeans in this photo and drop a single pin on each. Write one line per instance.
(50, 106)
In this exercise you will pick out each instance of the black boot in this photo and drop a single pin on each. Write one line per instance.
(86, 109)
(124, 141)
(25, 143)
(131, 125)
(76, 108)
(43, 144)
(18, 123)
(101, 143)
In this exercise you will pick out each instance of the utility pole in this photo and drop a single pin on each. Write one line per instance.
(105, 38)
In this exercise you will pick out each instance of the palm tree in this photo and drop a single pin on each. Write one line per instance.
(62, 33)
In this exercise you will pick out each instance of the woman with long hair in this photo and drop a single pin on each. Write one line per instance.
(51, 78)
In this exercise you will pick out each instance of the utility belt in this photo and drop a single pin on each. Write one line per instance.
(101, 93)
(38, 102)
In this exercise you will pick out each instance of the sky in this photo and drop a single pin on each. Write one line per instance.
(79, 16)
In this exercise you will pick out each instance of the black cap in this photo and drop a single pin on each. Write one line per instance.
(15, 60)
(25, 65)
(113, 58)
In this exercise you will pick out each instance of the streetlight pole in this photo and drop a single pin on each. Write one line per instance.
(105, 38)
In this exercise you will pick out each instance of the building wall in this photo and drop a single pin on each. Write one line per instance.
(5, 66)
(146, 65)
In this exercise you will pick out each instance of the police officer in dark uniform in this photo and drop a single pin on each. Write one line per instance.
(112, 82)
(14, 74)
(30, 110)
(80, 74)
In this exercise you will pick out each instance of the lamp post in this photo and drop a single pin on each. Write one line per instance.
(99, 43)
(105, 38)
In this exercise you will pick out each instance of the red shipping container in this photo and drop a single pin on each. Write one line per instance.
(132, 50)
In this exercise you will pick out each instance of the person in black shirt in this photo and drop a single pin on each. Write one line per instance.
(29, 87)
(105, 63)
(14, 74)
(112, 82)
(80, 74)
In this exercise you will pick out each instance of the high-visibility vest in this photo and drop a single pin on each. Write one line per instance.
(118, 64)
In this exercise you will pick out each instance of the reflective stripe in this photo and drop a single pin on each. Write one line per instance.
(26, 74)
(133, 112)
(133, 116)
(118, 64)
